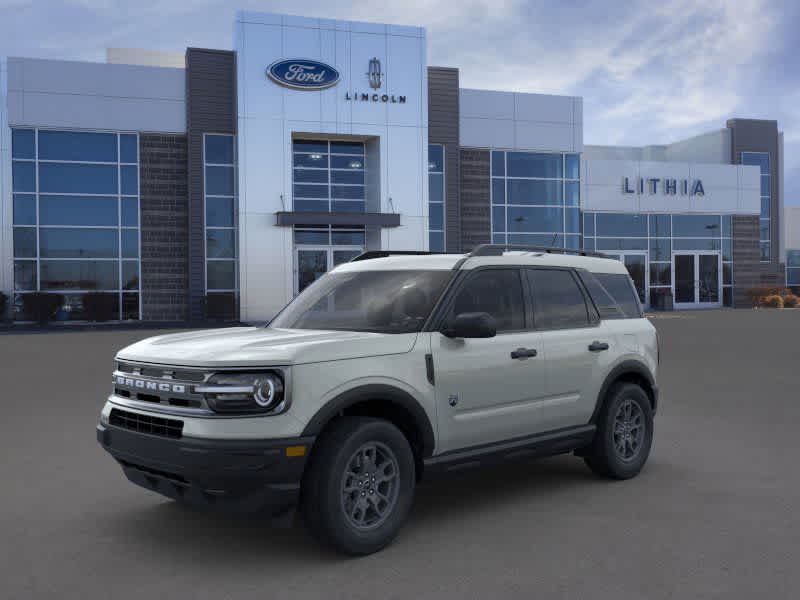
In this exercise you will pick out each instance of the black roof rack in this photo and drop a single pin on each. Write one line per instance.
(498, 249)
(370, 254)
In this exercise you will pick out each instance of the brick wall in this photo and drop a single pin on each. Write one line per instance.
(748, 271)
(476, 216)
(165, 226)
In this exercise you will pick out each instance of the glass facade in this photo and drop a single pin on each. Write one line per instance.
(657, 237)
(328, 176)
(436, 198)
(536, 198)
(793, 269)
(761, 160)
(219, 160)
(76, 219)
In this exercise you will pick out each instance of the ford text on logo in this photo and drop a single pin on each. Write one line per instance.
(153, 386)
(303, 74)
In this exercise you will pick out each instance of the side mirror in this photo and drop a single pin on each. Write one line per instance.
(471, 325)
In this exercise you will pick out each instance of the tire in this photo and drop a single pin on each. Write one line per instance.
(620, 449)
(338, 509)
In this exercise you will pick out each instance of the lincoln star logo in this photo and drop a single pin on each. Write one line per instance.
(302, 74)
(153, 386)
(374, 74)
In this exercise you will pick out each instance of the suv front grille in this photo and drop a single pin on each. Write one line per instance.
(171, 428)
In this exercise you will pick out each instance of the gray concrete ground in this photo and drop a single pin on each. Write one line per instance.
(714, 514)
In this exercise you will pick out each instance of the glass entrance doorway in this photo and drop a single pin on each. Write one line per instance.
(636, 263)
(696, 279)
(311, 263)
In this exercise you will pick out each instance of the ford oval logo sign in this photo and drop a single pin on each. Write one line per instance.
(303, 74)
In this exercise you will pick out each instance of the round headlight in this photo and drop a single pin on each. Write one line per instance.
(268, 391)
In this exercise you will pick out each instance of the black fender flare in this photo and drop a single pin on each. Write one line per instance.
(379, 392)
(624, 368)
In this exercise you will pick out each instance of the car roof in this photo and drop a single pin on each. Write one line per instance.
(446, 262)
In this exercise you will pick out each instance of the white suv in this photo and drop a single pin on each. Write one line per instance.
(388, 368)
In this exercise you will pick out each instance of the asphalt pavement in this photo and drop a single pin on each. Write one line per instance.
(713, 515)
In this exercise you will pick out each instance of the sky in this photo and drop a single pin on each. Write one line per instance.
(650, 72)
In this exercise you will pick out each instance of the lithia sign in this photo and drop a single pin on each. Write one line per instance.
(667, 186)
(306, 74)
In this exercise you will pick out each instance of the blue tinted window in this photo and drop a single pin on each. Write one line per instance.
(524, 219)
(129, 184)
(130, 212)
(348, 238)
(130, 275)
(310, 191)
(219, 212)
(436, 241)
(660, 249)
(130, 243)
(529, 164)
(73, 145)
(347, 148)
(310, 146)
(25, 242)
(348, 206)
(23, 176)
(77, 210)
(623, 225)
(522, 191)
(726, 225)
(695, 244)
(312, 237)
(220, 243)
(498, 218)
(356, 177)
(765, 251)
(765, 208)
(219, 149)
(588, 224)
(765, 185)
(727, 249)
(660, 226)
(793, 258)
(77, 179)
(339, 162)
(499, 238)
(23, 143)
(498, 191)
(759, 159)
(312, 175)
(696, 225)
(24, 275)
(621, 244)
(572, 189)
(24, 209)
(573, 242)
(572, 218)
(320, 161)
(79, 275)
(436, 216)
(436, 188)
(128, 149)
(498, 163)
(764, 229)
(221, 274)
(573, 166)
(435, 158)
(78, 243)
(219, 181)
(347, 192)
(537, 239)
(311, 205)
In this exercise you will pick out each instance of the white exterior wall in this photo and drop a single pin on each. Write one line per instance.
(791, 228)
(6, 205)
(729, 189)
(148, 58)
(83, 95)
(518, 121)
(713, 147)
(270, 114)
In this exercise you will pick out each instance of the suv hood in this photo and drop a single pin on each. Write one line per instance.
(260, 346)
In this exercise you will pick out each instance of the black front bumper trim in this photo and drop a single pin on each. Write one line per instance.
(240, 476)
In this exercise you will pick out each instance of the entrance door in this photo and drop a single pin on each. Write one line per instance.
(696, 279)
(311, 263)
(636, 263)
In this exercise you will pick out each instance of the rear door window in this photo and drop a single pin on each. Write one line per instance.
(620, 287)
(558, 302)
(606, 306)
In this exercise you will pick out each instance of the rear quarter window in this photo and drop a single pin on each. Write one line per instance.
(620, 287)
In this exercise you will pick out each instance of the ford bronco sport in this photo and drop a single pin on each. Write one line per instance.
(388, 368)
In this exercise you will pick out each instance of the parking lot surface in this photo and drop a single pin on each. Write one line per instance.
(713, 515)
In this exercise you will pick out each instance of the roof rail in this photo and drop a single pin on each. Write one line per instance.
(498, 249)
(370, 254)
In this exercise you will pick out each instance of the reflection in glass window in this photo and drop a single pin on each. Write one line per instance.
(79, 219)
(762, 160)
(793, 269)
(221, 223)
(436, 198)
(558, 302)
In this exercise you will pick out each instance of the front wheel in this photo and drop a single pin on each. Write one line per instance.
(624, 433)
(359, 485)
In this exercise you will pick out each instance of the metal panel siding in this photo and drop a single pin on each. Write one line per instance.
(443, 128)
(210, 108)
(476, 216)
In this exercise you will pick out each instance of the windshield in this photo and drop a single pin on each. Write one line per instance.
(379, 301)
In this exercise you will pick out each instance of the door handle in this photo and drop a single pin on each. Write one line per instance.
(598, 346)
(523, 353)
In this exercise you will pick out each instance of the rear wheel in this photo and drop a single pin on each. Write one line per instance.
(624, 433)
(359, 485)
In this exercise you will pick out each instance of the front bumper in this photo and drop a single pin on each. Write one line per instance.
(241, 476)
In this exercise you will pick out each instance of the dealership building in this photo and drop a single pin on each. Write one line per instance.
(217, 184)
